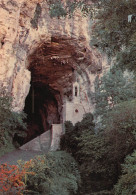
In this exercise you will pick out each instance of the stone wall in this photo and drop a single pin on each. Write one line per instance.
(22, 33)
(56, 132)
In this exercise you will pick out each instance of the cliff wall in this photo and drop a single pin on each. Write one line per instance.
(39, 49)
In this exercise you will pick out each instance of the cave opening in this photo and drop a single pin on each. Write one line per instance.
(41, 108)
(52, 73)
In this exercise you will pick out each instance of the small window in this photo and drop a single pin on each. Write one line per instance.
(76, 110)
(76, 91)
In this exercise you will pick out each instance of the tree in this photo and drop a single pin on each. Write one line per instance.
(113, 88)
(56, 173)
(96, 168)
(126, 59)
(112, 29)
(101, 154)
(89, 149)
(127, 181)
(114, 33)
(119, 127)
(11, 122)
(69, 141)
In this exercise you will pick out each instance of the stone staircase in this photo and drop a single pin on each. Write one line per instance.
(38, 146)
(40, 143)
(48, 141)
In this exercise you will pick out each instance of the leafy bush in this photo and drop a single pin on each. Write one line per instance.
(89, 149)
(11, 122)
(37, 183)
(69, 141)
(101, 154)
(127, 182)
(120, 129)
(11, 177)
(113, 88)
(55, 174)
(112, 30)
(96, 169)
(126, 59)
(66, 168)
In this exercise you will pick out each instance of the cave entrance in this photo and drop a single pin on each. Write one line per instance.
(52, 74)
(41, 107)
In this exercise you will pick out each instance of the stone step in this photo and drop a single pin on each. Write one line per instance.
(48, 141)
(40, 143)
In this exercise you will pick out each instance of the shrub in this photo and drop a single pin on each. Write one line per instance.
(101, 154)
(11, 178)
(69, 141)
(127, 182)
(120, 130)
(116, 86)
(55, 174)
(11, 122)
(89, 149)
(67, 179)
(36, 183)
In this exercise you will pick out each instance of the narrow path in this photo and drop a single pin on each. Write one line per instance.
(15, 155)
(37, 146)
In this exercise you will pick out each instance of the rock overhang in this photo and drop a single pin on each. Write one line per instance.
(67, 37)
(54, 62)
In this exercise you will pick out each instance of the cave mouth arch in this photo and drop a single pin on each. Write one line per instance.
(52, 66)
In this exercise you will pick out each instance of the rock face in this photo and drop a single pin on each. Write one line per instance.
(45, 53)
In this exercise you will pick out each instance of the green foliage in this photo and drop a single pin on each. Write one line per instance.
(11, 123)
(83, 5)
(55, 174)
(89, 144)
(118, 138)
(113, 88)
(69, 141)
(126, 59)
(120, 129)
(6, 148)
(65, 166)
(96, 169)
(114, 33)
(58, 9)
(100, 155)
(127, 182)
(40, 168)
(112, 29)
(89, 149)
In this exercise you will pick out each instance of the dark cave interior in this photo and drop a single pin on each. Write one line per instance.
(41, 108)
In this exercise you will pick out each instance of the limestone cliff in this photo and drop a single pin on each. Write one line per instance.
(45, 51)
